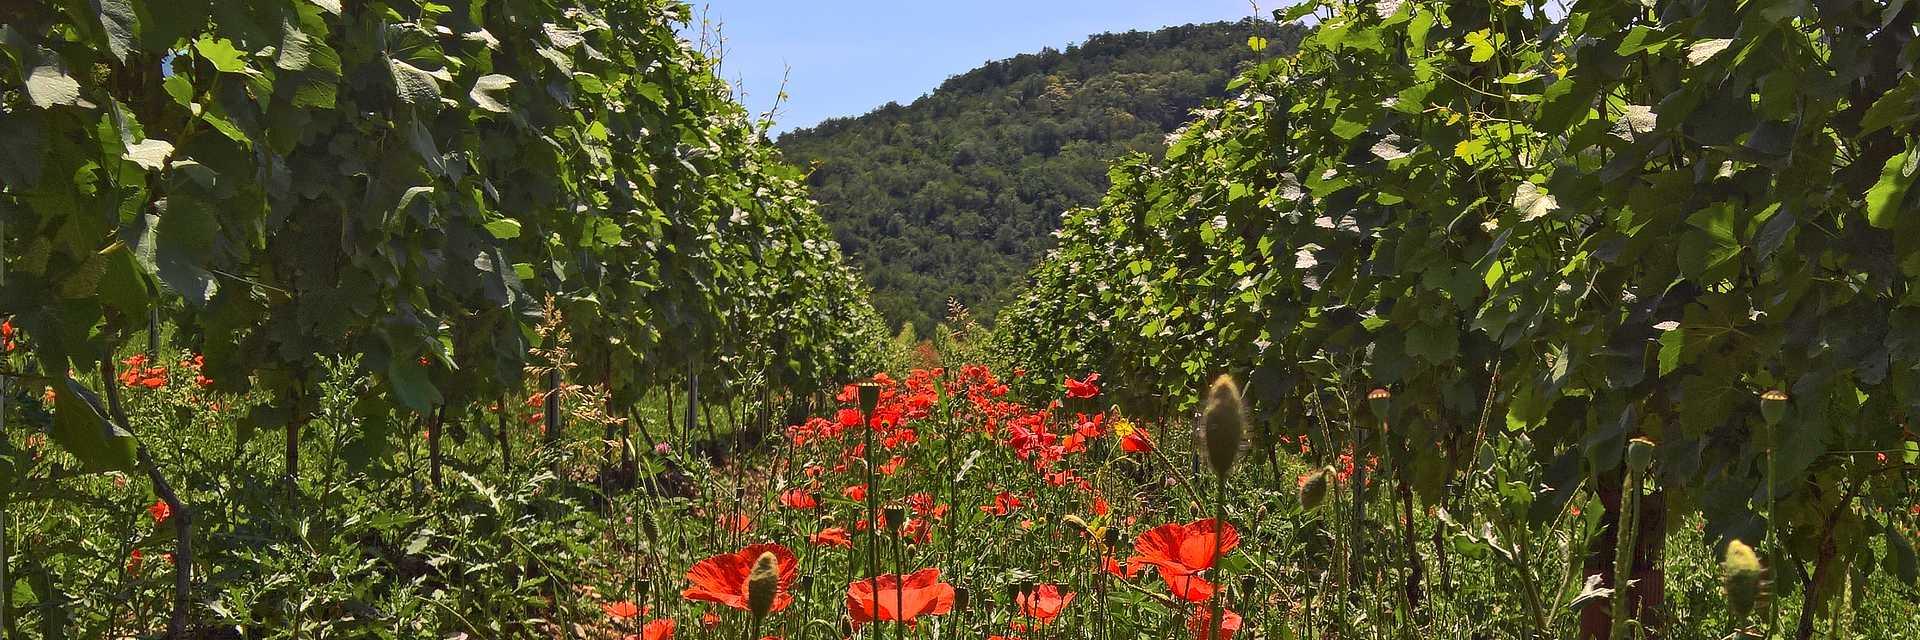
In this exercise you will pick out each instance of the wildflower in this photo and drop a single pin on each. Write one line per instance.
(159, 511)
(660, 629)
(621, 610)
(1003, 504)
(1203, 616)
(1044, 603)
(901, 598)
(722, 579)
(1123, 570)
(1182, 551)
(856, 493)
(1085, 388)
(737, 522)
(798, 498)
(832, 537)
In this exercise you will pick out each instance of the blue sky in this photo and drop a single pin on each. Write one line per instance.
(849, 56)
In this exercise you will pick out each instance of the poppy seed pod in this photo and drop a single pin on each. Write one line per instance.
(895, 517)
(1226, 421)
(1639, 454)
(1313, 488)
(1741, 570)
(1381, 400)
(960, 599)
(869, 396)
(762, 584)
(641, 587)
(1773, 406)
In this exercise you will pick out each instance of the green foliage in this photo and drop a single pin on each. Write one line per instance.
(955, 195)
(406, 182)
(1625, 220)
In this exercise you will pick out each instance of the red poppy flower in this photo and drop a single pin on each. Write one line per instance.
(621, 610)
(722, 579)
(159, 511)
(1003, 504)
(1136, 442)
(661, 629)
(798, 498)
(1128, 571)
(736, 522)
(1086, 388)
(1182, 551)
(832, 537)
(1203, 616)
(892, 465)
(1045, 603)
(899, 598)
(133, 561)
(709, 620)
(856, 493)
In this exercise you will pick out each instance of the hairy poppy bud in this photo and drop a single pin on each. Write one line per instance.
(1313, 488)
(1226, 421)
(1773, 406)
(1741, 571)
(1077, 523)
(869, 397)
(762, 584)
(653, 532)
(1639, 454)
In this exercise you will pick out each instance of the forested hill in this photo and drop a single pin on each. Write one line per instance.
(957, 193)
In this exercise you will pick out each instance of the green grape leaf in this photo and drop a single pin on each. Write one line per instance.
(1883, 200)
(81, 426)
(485, 90)
(118, 23)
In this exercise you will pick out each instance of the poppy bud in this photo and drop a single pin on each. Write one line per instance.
(960, 599)
(805, 585)
(1773, 406)
(1741, 570)
(1226, 420)
(1313, 488)
(1381, 400)
(869, 396)
(762, 584)
(1076, 523)
(1113, 538)
(1639, 454)
(653, 532)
